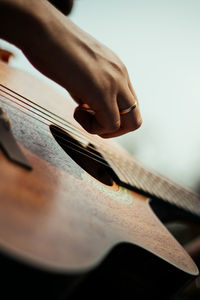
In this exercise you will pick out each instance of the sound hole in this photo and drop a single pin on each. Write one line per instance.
(86, 156)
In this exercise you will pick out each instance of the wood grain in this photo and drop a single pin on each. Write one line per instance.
(57, 216)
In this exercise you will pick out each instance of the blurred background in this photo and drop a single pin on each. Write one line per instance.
(159, 42)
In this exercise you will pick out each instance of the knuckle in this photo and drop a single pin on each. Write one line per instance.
(121, 68)
(124, 69)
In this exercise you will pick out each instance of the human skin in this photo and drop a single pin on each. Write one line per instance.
(92, 73)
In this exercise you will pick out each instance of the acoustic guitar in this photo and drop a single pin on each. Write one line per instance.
(75, 206)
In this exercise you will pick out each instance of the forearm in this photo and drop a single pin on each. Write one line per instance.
(48, 38)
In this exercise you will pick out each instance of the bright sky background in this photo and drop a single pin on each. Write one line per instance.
(159, 42)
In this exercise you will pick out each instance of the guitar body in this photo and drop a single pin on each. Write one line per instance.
(59, 219)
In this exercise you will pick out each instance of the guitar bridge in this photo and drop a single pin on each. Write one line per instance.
(9, 144)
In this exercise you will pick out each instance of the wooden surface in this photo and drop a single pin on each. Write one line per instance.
(59, 217)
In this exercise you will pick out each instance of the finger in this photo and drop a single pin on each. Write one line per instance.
(105, 117)
(114, 134)
(124, 129)
(131, 120)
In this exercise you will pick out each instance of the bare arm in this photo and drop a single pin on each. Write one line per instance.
(91, 72)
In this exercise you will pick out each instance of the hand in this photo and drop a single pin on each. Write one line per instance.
(106, 89)
(93, 75)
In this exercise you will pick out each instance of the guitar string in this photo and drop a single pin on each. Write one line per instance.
(146, 173)
(40, 111)
(186, 206)
(94, 148)
(52, 122)
(98, 159)
(84, 151)
(73, 127)
(83, 134)
(49, 114)
(77, 129)
(119, 159)
(75, 149)
(68, 127)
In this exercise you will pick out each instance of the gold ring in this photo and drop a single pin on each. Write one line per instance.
(127, 110)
